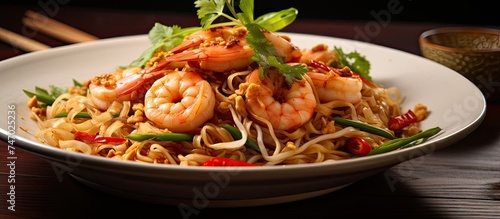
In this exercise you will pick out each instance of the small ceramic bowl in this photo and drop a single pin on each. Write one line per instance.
(473, 52)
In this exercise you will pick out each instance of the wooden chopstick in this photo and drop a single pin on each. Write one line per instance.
(21, 41)
(55, 28)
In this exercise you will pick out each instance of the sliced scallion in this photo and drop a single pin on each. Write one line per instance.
(237, 136)
(364, 127)
(161, 137)
(402, 142)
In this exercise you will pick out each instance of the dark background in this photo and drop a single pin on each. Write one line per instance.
(467, 12)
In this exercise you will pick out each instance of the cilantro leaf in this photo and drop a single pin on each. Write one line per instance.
(275, 21)
(290, 72)
(264, 52)
(247, 9)
(209, 10)
(266, 55)
(162, 38)
(355, 61)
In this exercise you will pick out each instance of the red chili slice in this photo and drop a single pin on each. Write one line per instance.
(91, 138)
(358, 146)
(402, 120)
(222, 162)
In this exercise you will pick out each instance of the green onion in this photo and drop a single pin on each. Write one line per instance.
(41, 96)
(237, 136)
(364, 127)
(78, 115)
(161, 137)
(402, 142)
(81, 115)
(42, 91)
(77, 83)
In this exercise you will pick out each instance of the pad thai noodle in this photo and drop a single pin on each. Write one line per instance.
(216, 97)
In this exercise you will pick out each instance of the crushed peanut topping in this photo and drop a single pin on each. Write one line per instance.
(328, 126)
(420, 111)
(106, 80)
(32, 102)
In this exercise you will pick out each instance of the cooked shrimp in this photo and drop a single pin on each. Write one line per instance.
(332, 86)
(285, 106)
(319, 53)
(284, 47)
(180, 101)
(225, 48)
(122, 85)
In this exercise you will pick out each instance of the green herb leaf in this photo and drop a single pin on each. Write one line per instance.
(266, 55)
(145, 56)
(247, 7)
(275, 21)
(355, 61)
(77, 83)
(162, 38)
(290, 72)
(209, 11)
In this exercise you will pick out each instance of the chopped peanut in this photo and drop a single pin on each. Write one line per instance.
(413, 130)
(420, 111)
(77, 90)
(38, 111)
(32, 102)
(328, 126)
(137, 117)
(290, 145)
(138, 106)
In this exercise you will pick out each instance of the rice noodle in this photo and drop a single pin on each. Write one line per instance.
(317, 140)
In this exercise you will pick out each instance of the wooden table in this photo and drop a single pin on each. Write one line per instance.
(462, 180)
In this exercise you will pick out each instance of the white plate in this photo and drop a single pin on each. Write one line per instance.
(455, 104)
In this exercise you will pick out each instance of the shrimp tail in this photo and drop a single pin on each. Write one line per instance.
(132, 83)
(186, 44)
(190, 55)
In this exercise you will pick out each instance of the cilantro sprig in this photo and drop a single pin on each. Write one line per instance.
(264, 52)
(162, 38)
(167, 37)
(211, 10)
(355, 61)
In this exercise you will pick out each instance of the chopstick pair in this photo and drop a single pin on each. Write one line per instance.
(47, 26)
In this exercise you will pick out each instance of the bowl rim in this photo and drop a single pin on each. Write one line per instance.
(423, 38)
